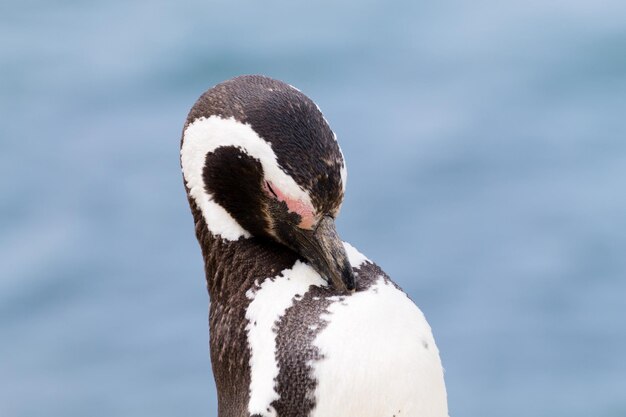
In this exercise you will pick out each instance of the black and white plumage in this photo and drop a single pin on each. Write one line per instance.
(301, 324)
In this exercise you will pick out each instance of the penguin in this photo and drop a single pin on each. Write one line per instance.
(300, 322)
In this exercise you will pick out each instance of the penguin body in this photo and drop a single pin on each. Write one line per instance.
(301, 323)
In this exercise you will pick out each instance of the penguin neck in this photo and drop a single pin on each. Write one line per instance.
(232, 266)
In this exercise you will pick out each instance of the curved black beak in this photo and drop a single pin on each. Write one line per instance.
(324, 250)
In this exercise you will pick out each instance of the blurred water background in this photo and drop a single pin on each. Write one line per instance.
(486, 148)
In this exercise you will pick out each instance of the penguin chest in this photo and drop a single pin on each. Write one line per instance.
(313, 353)
(377, 358)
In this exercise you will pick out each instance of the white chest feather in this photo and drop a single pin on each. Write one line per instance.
(380, 359)
(378, 355)
(269, 303)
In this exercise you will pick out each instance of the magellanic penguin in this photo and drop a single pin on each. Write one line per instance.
(301, 323)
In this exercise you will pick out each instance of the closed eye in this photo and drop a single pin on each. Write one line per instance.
(269, 187)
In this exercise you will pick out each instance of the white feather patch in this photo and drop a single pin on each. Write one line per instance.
(268, 305)
(205, 135)
(379, 359)
(356, 258)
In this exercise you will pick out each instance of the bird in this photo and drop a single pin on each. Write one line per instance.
(300, 322)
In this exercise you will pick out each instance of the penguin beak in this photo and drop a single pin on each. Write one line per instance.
(324, 250)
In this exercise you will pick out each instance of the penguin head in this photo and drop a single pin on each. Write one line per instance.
(260, 160)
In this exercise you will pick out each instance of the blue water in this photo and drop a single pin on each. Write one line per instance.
(486, 148)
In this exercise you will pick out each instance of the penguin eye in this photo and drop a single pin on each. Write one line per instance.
(269, 187)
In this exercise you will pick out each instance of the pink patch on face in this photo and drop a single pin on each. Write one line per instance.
(296, 206)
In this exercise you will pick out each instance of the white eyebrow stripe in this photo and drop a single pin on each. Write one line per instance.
(205, 135)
